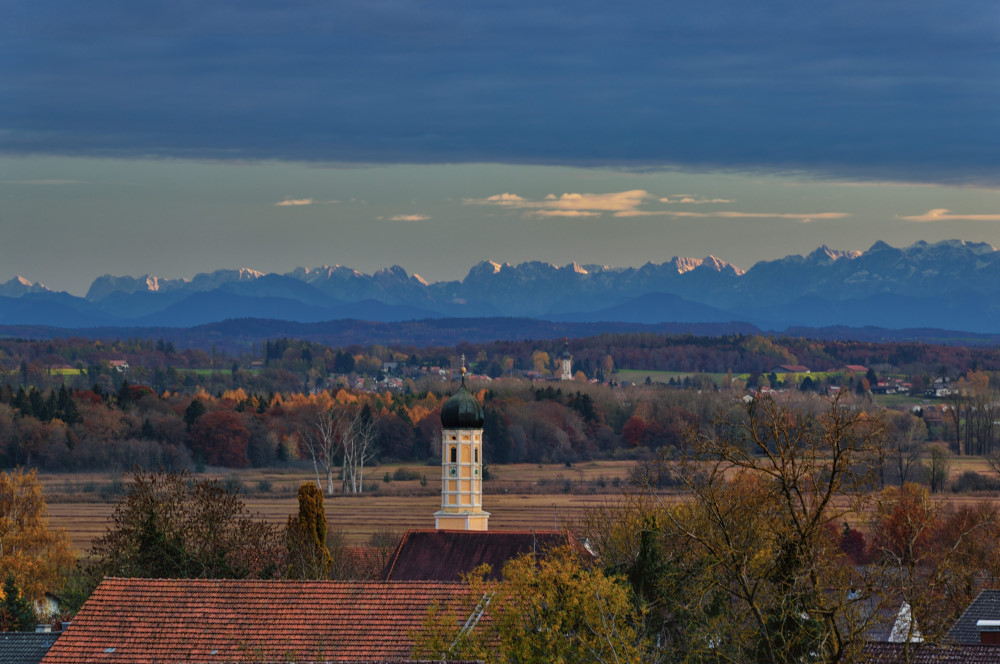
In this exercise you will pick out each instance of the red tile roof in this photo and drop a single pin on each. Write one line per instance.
(216, 620)
(792, 368)
(446, 555)
(362, 562)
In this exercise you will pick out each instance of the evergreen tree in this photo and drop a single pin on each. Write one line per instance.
(38, 409)
(68, 412)
(194, 410)
(496, 436)
(20, 402)
(16, 614)
(159, 555)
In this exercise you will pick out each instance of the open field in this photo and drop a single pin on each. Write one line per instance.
(520, 497)
(902, 401)
(359, 516)
(639, 375)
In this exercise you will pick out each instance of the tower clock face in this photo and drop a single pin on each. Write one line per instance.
(453, 471)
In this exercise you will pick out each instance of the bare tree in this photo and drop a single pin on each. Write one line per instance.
(318, 431)
(994, 461)
(940, 465)
(768, 482)
(355, 428)
(905, 437)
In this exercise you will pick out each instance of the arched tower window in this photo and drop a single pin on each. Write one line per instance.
(475, 454)
(454, 455)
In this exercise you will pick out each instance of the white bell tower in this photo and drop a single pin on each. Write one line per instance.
(462, 463)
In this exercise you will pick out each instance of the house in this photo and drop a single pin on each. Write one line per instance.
(933, 414)
(975, 623)
(973, 639)
(790, 368)
(856, 368)
(25, 647)
(223, 620)
(923, 653)
(939, 389)
(48, 606)
(121, 366)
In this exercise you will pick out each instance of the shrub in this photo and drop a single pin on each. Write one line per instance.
(403, 474)
(970, 480)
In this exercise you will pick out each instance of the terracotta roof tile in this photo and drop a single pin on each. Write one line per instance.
(215, 620)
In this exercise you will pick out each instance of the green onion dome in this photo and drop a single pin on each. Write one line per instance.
(462, 410)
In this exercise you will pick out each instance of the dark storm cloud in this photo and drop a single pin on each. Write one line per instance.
(896, 90)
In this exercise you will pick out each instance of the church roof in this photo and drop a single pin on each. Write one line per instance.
(462, 411)
(447, 555)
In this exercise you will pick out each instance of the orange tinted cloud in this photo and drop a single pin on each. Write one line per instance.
(568, 204)
(943, 214)
(406, 217)
(803, 217)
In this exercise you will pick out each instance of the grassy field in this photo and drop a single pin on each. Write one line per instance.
(900, 401)
(67, 372)
(639, 376)
(358, 517)
(519, 497)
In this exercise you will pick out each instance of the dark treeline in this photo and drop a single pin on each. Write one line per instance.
(284, 364)
(67, 429)
(237, 336)
(71, 404)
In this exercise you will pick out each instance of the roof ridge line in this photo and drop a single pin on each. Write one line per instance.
(395, 555)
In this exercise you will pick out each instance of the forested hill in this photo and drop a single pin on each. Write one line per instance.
(238, 335)
(241, 335)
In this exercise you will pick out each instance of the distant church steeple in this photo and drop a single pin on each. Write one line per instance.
(566, 360)
(462, 463)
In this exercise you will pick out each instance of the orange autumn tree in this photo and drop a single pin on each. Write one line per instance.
(940, 555)
(37, 555)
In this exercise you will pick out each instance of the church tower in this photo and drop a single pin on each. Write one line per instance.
(566, 360)
(461, 463)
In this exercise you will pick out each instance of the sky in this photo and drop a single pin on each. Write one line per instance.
(180, 137)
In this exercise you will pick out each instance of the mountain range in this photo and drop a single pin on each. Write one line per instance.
(945, 285)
